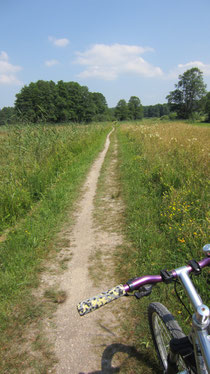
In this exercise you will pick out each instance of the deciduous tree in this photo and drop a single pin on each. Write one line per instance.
(207, 106)
(101, 107)
(135, 108)
(121, 110)
(185, 99)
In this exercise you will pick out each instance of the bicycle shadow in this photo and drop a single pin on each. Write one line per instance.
(111, 350)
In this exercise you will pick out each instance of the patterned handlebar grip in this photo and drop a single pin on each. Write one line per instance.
(96, 302)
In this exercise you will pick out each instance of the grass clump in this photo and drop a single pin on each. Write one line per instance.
(55, 296)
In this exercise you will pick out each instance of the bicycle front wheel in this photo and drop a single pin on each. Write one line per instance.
(163, 328)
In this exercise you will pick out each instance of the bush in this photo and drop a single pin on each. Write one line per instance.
(164, 118)
(172, 116)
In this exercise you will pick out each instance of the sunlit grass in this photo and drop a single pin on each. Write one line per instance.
(164, 173)
(44, 168)
(32, 159)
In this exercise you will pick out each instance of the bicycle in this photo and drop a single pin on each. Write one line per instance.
(177, 353)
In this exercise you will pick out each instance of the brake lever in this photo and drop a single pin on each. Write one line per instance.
(143, 291)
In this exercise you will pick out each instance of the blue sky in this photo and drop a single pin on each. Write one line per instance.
(120, 48)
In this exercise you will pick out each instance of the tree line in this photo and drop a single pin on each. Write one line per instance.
(158, 110)
(46, 101)
(61, 102)
(189, 100)
(133, 110)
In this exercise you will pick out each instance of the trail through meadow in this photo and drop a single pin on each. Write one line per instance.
(87, 345)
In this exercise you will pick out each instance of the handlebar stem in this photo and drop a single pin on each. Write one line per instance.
(183, 275)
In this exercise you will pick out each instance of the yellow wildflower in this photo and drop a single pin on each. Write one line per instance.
(181, 240)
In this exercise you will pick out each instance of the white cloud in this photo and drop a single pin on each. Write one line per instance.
(181, 68)
(110, 61)
(50, 63)
(205, 68)
(63, 42)
(8, 71)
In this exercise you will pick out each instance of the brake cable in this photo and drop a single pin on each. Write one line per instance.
(179, 298)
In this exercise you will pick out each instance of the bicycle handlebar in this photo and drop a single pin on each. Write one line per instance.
(153, 279)
(96, 302)
(114, 293)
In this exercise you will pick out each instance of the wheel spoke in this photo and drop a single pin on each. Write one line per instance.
(163, 338)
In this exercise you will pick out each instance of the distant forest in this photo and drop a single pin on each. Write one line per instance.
(46, 101)
(49, 102)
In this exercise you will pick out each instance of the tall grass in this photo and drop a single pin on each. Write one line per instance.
(32, 159)
(44, 168)
(164, 174)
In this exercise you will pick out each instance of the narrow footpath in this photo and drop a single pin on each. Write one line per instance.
(82, 343)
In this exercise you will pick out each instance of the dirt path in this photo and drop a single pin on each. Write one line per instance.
(83, 263)
(80, 341)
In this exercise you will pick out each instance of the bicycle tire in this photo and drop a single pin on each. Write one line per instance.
(164, 327)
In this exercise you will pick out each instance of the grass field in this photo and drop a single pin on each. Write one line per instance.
(164, 169)
(42, 168)
(32, 159)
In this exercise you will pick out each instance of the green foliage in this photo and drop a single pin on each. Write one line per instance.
(46, 101)
(101, 109)
(207, 106)
(7, 116)
(157, 110)
(164, 118)
(121, 110)
(111, 114)
(185, 99)
(172, 116)
(135, 108)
